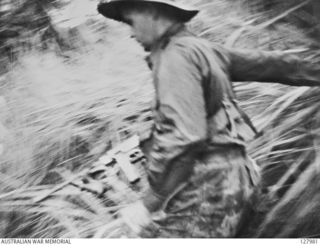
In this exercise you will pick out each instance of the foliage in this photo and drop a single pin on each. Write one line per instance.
(88, 88)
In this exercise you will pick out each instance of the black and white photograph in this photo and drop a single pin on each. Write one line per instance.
(159, 119)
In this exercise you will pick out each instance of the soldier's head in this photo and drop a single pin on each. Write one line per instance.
(148, 19)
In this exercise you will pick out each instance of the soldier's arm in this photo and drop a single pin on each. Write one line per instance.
(181, 127)
(271, 66)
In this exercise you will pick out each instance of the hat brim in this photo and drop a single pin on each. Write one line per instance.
(114, 9)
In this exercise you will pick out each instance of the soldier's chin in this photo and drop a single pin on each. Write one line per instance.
(146, 47)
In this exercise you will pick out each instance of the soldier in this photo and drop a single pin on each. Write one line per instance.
(199, 171)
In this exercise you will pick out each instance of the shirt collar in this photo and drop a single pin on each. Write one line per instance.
(165, 38)
(163, 41)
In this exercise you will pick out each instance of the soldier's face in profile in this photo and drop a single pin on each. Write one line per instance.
(142, 26)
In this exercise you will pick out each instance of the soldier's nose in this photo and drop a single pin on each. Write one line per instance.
(132, 35)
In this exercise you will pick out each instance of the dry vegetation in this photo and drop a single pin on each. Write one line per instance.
(74, 86)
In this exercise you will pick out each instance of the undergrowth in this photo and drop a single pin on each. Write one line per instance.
(63, 107)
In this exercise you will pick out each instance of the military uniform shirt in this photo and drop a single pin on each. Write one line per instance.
(195, 108)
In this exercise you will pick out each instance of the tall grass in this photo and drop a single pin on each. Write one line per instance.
(63, 113)
(65, 110)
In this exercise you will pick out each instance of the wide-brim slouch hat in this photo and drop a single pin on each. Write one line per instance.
(113, 9)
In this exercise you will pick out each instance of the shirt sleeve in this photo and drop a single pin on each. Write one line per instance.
(180, 123)
(271, 66)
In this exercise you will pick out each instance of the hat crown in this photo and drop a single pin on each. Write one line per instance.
(112, 8)
(174, 3)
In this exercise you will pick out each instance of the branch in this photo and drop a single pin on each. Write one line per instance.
(230, 42)
(281, 16)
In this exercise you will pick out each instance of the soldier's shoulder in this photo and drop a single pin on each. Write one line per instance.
(193, 43)
(189, 46)
(190, 41)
